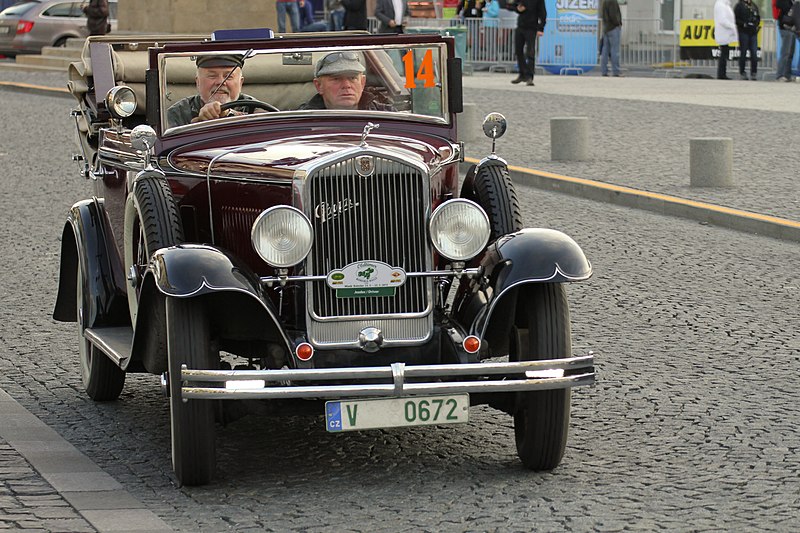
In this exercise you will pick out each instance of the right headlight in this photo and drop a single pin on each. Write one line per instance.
(282, 236)
(459, 229)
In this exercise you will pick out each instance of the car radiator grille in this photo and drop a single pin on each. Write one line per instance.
(380, 218)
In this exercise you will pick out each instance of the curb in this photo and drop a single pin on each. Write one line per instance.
(34, 89)
(94, 494)
(726, 217)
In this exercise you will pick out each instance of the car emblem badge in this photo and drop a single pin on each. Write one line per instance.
(365, 165)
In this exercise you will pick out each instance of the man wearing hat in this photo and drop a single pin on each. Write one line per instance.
(339, 78)
(219, 80)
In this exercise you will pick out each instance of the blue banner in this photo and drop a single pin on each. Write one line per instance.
(569, 43)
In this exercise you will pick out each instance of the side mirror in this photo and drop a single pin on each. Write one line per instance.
(494, 125)
(143, 139)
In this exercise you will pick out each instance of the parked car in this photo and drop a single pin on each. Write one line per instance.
(29, 26)
(320, 260)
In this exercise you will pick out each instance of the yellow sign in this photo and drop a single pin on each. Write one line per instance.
(698, 32)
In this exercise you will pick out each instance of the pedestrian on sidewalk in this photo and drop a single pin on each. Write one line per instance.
(611, 20)
(786, 52)
(792, 20)
(336, 10)
(355, 14)
(97, 17)
(748, 21)
(724, 34)
(531, 19)
(307, 22)
(393, 14)
(291, 9)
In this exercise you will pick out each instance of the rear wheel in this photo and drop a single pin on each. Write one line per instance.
(541, 331)
(102, 379)
(192, 421)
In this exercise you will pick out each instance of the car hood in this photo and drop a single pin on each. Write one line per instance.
(284, 157)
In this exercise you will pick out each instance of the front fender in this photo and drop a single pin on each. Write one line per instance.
(84, 242)
(194, 270)
(532, 255)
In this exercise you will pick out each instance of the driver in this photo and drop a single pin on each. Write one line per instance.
(339, 79)
(219, 80)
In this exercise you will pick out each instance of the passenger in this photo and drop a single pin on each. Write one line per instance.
(339, 78)
(219, 80)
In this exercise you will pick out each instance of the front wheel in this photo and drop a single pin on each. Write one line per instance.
(102, 379)
(491, 188)
(541, 331)
(192, 421)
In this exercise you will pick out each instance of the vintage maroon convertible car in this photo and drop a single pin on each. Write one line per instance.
(320, 260)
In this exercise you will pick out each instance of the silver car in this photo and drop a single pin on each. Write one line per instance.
(27, 27)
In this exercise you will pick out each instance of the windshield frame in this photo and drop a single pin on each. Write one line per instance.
(440, 48)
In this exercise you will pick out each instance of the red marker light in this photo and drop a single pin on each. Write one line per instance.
(472, 344)
(24, 26)
(304, 351)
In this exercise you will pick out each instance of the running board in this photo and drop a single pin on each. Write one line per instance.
(115, 342)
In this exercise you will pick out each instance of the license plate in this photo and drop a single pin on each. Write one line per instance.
(352, 415)
(4, 29)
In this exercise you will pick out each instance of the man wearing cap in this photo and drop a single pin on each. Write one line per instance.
(219, 80)
(339, 78)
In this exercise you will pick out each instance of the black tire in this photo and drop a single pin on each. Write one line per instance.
(493, 190)
(191, 422)
(102, 379)
(61, 42)
(152, 221)
(541, 331)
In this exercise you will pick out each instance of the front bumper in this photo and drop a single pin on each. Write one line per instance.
(394, 380)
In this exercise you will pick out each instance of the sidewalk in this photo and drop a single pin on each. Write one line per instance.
(640, 131)
(48, 485)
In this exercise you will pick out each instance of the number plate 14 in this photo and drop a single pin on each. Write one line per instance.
(350, 415)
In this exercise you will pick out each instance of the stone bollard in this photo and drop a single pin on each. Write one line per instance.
(469, 124)
(569, 138)
(711, 162)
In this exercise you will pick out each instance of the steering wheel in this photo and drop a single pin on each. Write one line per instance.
(252, 104)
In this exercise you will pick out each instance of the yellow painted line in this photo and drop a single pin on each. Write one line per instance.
(653, 195)
(30, 86)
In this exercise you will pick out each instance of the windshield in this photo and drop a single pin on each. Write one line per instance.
(18, 10)
(406, 79)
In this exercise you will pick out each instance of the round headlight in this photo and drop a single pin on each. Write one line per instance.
(459, 229)
(282, 236)
(121, 101)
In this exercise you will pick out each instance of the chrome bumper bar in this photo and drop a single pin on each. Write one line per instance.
(395, 380)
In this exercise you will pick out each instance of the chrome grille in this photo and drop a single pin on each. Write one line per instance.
(380, 218)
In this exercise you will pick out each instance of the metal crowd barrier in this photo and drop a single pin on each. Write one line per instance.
(488, 44)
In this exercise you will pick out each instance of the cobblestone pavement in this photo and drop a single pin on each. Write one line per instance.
(28, 502)
(691, 426)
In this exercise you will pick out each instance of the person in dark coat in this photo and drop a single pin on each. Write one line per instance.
(355, 14)
(393, 15)
(784, 70)
(611, 18)
(747, 24)
(97, 17)
(532, 16)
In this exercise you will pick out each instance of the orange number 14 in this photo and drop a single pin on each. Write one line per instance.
(425, 72)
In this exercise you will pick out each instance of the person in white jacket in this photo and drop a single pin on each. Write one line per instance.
(725, 33)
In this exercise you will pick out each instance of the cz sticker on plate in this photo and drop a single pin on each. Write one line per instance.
(353, 415)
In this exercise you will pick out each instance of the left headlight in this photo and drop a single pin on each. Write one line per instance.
(121, 101)
(282, 236)
(459, 229)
